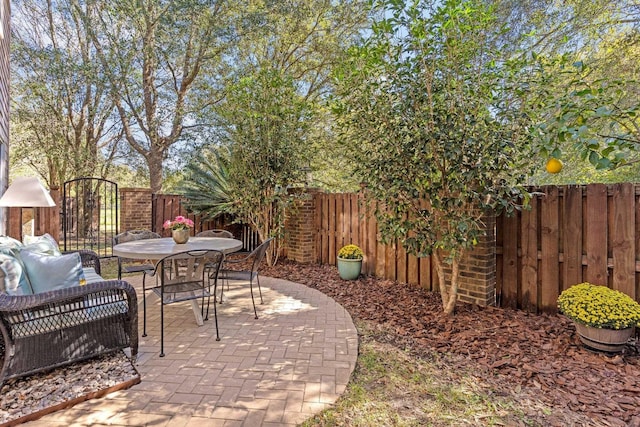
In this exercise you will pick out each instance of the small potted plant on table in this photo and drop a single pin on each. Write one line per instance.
(605, 319)
(180, 229)
(350, 262)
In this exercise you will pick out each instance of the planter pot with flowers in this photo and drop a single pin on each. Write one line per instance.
(180, 229)
(605, 319)
(350, 262)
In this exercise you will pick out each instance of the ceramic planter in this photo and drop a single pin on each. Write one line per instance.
(349, 269)
(180, 236)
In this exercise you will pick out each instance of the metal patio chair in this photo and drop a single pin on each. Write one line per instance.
(184, 276)
(130, 266)
(255, 258)
(215, 233)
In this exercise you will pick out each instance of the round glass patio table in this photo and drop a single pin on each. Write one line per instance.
(156, 249)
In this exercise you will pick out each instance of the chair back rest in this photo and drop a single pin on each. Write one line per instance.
(131, 235)
(215, 233)
(190, 266)
(259, 253)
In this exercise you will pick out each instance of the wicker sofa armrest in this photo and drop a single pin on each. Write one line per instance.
(60, 296)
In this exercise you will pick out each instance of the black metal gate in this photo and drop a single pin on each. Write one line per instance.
(90, 215)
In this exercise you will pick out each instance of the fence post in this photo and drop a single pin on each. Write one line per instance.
(300, 235)
(135, 209)
(478, 268)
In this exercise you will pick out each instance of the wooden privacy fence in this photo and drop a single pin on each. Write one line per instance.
(571, 234)
(342, 219)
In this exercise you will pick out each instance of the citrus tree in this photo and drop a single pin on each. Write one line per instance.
(437, 127)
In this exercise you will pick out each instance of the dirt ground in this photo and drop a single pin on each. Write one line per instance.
(522, 355)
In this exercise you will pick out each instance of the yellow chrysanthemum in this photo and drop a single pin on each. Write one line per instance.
(599, 306)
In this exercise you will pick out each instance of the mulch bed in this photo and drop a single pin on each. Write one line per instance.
(517, 353)
(29, 398)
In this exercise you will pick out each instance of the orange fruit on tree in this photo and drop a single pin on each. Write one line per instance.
(554, 165)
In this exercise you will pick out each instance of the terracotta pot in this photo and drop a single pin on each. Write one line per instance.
(180, 236)
(609, 340)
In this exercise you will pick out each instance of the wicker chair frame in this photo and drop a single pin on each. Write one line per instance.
(56, 328)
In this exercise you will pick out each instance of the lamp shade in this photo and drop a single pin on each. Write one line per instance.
(26, 192)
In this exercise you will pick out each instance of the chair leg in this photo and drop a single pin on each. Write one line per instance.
(205, 316)
(222, 290)
(259, 288)
(144, 306)
(161, 325)
(215, 315)
(209, 297)
(253, 300)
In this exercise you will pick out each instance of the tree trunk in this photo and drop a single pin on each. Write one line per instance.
(154, 161)
(453, 292)
(442, 282)
(449, 295)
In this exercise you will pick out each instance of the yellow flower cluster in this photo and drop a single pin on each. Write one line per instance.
(599, 306)
(350, 252)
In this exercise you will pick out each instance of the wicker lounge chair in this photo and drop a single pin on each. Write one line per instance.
(46, 330)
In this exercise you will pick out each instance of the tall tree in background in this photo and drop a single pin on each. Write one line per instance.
(62, 116)
(272, 122)
(154, 53)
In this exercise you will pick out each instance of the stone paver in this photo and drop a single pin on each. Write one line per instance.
(292, 362)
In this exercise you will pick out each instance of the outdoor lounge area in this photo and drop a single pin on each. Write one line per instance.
(434, 208)
(291, 363)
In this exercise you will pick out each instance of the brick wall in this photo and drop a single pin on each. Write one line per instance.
(4, 106)
(135, 209)
(478, 269)
(300, 232)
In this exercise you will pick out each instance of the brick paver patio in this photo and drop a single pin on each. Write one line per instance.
(291, 363)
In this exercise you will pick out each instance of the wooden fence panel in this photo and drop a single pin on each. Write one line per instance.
(413, 273)
(623, 249)
(572, 236)
(327, 234)
(428, 280)
(549, 243)
(372, 239)
(333, 207)
(596, 236)
(355, 225)
(507, 229)
(529, 272)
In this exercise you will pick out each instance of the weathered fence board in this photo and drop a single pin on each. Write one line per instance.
(549, 240)
(596, 237)
(528, 292)
(508, 268)
(623, 250)
(572, 236)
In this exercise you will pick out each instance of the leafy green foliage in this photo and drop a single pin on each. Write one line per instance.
(436, 124)
(596, 117)
(207, 187)
(263, 127)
